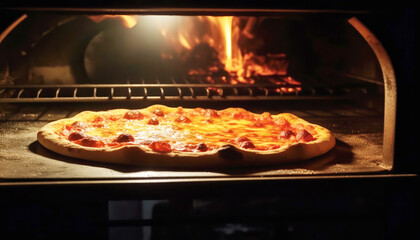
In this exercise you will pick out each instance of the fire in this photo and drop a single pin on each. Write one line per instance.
(209, 46)
(230, 53)
(226, 23)
(222, 34)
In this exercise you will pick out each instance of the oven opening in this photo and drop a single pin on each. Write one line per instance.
(323, 67)
(104, 57)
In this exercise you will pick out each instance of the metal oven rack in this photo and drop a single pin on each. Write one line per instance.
(177, 91)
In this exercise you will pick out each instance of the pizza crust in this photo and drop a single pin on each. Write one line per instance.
(226, 156)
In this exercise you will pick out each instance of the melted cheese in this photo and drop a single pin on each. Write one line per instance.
(213, 128)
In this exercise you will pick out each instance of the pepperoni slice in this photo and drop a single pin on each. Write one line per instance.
(247, 144)
(183, 119)
(153, 121)
(244, 142)
(162, 147)
(133, 114)
(304, 135)
(76, 136)
(286, 134)
(91, 142)
(159, 112)
(124, 137)
(202, 147)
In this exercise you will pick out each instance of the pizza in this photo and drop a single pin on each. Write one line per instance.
(177, 137)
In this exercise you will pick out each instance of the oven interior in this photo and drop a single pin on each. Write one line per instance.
(318, 66)
(323, 66)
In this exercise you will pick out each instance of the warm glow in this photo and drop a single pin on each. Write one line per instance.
(127, 20)
(202, 39)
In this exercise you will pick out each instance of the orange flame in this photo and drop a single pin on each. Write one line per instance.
(219, 33)
(223, 33)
